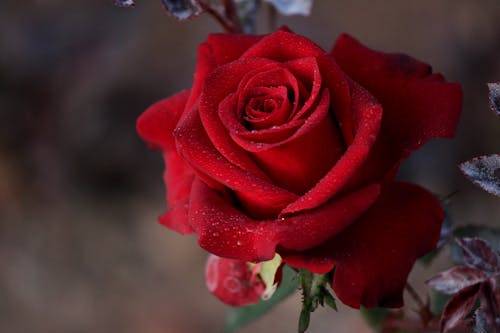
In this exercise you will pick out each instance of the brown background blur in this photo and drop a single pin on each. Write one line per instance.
(80, 249)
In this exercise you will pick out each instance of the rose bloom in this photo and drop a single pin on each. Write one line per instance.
(282, 147)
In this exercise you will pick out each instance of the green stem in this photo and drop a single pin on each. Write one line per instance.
(314, 293)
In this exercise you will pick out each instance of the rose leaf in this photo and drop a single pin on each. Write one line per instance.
(124, 3)
(484, 171)
(478, 254)
(489, 234)
(459, 307)
(240, 316)
(183, 9)
(494, 97)
(455, 279)
(292, 7)
(490, 305)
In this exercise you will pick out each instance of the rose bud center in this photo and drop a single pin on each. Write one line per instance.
(269, 107)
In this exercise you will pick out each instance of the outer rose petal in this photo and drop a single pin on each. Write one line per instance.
(374, 256)
(156, 126)
(219, 49)
(417, 105)
(227, 232)
(178, 178)
(229, 47)
(232, 281)
(157, 123)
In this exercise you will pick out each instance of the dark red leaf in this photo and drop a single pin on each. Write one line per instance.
(490, 306)
(484, 171)
(494, 97)
(478, 254)
(458, 307)
(455, 279)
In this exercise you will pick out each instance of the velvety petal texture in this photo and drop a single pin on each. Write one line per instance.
(418, 105)
(374, 256)
(228, 232)
(282, 147)
(156, 126)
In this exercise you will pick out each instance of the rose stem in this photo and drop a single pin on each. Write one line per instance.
(228, 25)
(232, 14)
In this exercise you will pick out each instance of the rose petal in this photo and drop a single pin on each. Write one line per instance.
(283, 46)
(157, 123)
(178, 179)
(298, 162)
(267, 107)
(322, 223)
(257, 139)
(257, 195)
(230, 47)
(307, 71)
(417, 106)
(226, 231)
(374, 256)
(382, 163)
(366, 115)
(304, 71)
(175, 217)
(155, 126)
(221, 83)
(273, 75)
(218, 49)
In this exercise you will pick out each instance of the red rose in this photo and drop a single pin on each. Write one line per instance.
(282, 147)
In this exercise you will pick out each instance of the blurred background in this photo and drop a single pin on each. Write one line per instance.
(80, 248)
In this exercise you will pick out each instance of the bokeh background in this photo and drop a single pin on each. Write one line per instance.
(80, 248)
